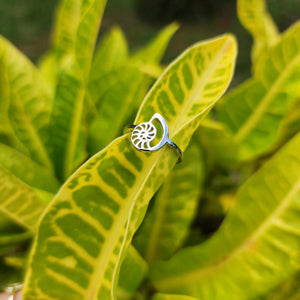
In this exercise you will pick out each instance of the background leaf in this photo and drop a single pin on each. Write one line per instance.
(19, 202)
(175, 205)
(265, 248)
(118, 93)
(255, 110)
(67, 120)
(255, 18)
(132, 272)
(27, 170)
(172, 297)
(29, 101)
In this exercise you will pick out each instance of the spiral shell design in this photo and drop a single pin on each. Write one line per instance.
(142, 135)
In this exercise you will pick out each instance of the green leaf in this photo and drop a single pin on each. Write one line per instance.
(258, 242)
(254, 111)
(87, 228)
(291, 123)
(15, 261)
(12, 239)
(27, 170)
(287, 290)
(66, 126)
(117, 96)
(255, 18)
(64, 32)
(29, 101)
(110, 54)
(67, 18)
(132, 272)
(19, 202)
(167, 224)
(217, 142)
(171, 297)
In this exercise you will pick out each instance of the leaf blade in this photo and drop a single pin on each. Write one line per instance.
(29, 101)
(67, 120)
(13, 193)
(167, 224)
(257, 120)
(246, 254)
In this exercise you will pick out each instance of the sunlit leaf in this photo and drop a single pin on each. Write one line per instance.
(255, 110)
(87, 228)
(19, 202)
(255, 18)
(167, 224)
(258, 241)
(67, 120)
(29, 101)
(27, 170)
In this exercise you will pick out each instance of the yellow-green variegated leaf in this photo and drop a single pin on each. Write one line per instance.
(118, 93)
(64, 32)
(67, 120)
(19, 202)
(171, 297)
(29, 101)
(27, 170)
(255, 18)
(132, 272)
(258, 242)
(166, 225)
(13, 238)
(110, 54)
(254, 111)
(87, 228)
(63, 37)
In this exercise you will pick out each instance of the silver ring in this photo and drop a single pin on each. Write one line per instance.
(143, 134)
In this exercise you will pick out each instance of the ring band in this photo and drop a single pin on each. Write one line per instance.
(143, 134)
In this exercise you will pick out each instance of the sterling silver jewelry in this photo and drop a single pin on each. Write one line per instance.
(143, 134)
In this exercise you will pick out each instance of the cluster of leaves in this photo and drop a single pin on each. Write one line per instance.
(88, 244)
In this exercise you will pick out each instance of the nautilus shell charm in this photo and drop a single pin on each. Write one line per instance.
(142, 135)
(145, 133)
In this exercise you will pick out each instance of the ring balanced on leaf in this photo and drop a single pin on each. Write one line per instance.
(74, 195)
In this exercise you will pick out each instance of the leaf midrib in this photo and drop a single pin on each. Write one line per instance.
(258, 112)
(101, 262)
(196, 92)
(33, 133)
(194, 275)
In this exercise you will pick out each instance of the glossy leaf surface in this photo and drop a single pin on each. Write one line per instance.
(86, 230)
(265, 248)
